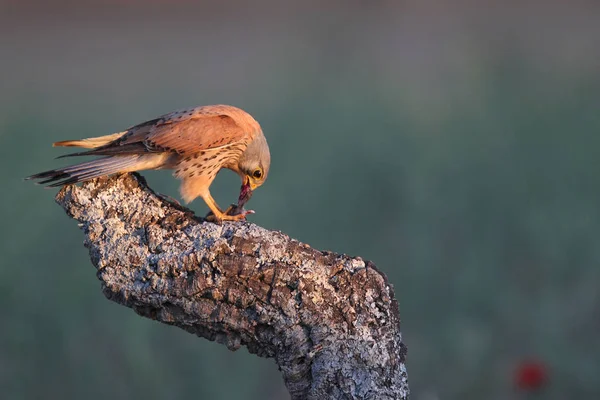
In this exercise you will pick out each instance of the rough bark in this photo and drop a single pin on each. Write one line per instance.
(330, 321)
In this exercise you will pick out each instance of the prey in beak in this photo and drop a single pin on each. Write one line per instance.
(245, 193)
(238, 209)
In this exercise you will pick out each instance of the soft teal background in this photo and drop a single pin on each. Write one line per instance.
(454, 145)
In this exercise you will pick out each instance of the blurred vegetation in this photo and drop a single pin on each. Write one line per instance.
(474, 187)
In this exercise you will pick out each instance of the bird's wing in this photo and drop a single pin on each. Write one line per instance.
(185, 132)
(191, 131)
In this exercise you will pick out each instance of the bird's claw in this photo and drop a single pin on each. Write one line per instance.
(233, 213)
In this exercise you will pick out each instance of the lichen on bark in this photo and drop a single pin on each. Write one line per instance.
(330, 321)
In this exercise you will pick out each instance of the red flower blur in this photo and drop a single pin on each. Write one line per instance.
(531, 375)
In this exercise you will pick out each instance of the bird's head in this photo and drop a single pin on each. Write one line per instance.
(253, 167)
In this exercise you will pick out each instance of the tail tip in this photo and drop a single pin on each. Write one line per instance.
(64, 143)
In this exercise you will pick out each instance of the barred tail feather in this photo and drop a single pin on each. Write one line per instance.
(88, 170)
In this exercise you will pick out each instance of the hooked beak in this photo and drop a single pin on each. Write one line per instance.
(245, 192)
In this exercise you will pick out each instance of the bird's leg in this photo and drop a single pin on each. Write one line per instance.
(218, 214)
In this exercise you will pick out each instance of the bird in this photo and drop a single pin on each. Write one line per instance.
(196, 143)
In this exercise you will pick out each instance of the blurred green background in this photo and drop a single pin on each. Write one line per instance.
(455, 144)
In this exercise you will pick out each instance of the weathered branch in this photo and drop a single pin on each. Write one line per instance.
(330, 321)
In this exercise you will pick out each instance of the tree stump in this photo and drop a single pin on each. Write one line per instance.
(330, 321)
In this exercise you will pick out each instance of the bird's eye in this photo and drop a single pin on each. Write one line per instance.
(257, 174)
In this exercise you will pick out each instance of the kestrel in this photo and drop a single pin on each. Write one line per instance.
(196, 143)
